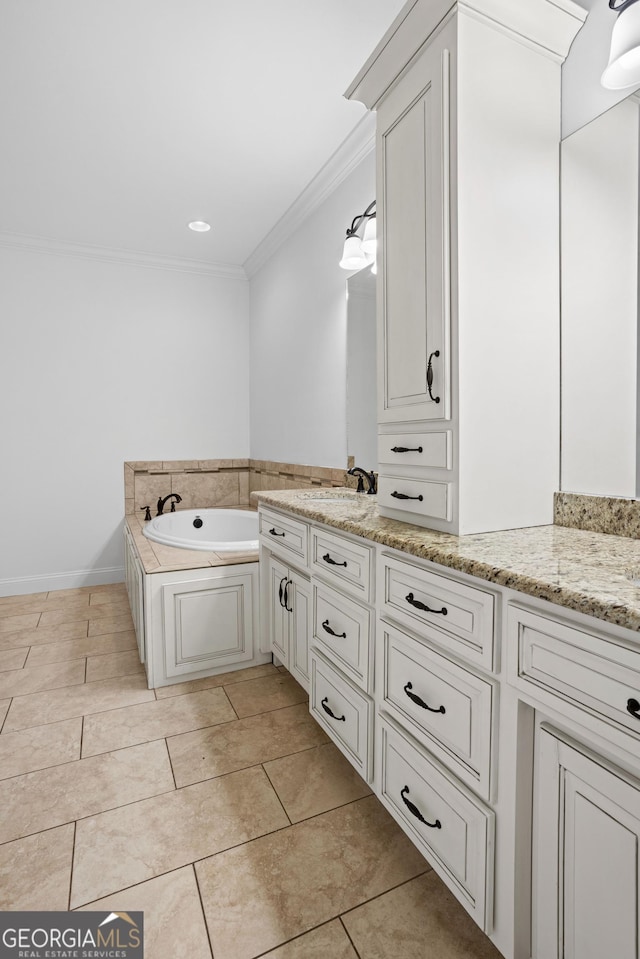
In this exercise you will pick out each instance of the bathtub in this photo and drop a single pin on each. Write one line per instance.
(217, 530)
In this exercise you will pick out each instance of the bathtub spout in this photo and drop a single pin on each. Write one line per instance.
(174, 497)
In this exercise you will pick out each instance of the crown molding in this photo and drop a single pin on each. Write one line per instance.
(360, 142)
(150, 261)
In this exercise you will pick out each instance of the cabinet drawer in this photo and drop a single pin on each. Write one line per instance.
(416, 449)
(466, 628)
(452, 828)
(344, 713)
(446, 707)
(343, 562)
(342, 629)
(285, 534)
(590, 671)
(422, 497)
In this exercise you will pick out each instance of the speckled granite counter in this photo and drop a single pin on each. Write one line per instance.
(156, 558)
(578, 569)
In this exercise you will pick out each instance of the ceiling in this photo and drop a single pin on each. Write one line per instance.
(122, 120)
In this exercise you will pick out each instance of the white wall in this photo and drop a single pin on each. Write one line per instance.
(298, 335)
(101, 363)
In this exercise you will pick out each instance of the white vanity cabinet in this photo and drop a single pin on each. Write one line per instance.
(467, 101)
(134, 581)
(285, 591)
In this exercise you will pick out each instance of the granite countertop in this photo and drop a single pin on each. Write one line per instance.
(156, 558)
(578, 569)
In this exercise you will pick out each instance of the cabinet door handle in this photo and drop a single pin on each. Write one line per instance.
(397, 495)
(332, 562)
(328, 629)
(323, 703)
(436, 353)
(286, 595)
(283, 580)
(274, 533)
(421, 702)
(633, 707)
(406, 449)
(416, 812)
(426, 609)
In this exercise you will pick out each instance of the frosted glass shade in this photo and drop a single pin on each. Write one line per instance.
(353, 256)
(369, 240)
(623, 69)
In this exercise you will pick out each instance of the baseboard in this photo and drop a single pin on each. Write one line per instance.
(53, 581)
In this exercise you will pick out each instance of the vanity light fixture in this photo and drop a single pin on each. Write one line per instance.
(199, 226)
(360, 251)
(623, 69)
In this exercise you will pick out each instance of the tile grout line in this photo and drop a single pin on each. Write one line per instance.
(204, 914)
(73, 859)
(346, 931)
(276, 794)
(173, 774)
(6, 715)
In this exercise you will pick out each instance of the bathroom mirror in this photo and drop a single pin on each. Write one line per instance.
(362, 430)
(600, 279)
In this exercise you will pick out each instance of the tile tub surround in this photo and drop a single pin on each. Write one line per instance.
(600, 514)
(205, 484)
(180, 823)
(578, 569)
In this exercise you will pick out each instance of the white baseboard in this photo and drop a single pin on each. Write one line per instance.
(72, 580)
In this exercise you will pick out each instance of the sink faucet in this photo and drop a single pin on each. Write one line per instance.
(175, 497)
(362, 475)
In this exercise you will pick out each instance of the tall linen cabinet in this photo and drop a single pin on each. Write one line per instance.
(467, 97)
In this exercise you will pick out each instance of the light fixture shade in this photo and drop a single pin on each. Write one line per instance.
(623, 69)
(199, 226)
(353, 256)
(369, 239)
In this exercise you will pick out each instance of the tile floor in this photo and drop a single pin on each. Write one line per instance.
(218, 807)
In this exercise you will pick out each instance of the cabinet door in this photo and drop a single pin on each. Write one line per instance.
(299, 606)
(278, 616)
(586, 837)
(413, 185)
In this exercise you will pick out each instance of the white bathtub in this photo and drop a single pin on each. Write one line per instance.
(217, 530)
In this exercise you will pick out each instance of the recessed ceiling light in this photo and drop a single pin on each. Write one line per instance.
(199, 226)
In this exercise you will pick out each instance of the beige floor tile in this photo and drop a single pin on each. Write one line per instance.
(154, 720)
(174, 926)
(326, 942)
(421, 918)
(143, 840)
(315, 781)
(86, 592)
(79, 648)
(35, 873)
(262, 695)
(111, 624)
(38, 637)
(21, 597)
(110, 665)
(117, 593)
(4, 709)
(13, 658)
(40, 747)
(33, 679)
(262, 894)
(50, 797)
(245, 742)
(31, 605)
(53, 705)
(63, 594)
(222, 679)
(73, 614)
(13, 623)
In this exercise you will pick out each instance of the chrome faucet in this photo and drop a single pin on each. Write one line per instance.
(362, 475)
(175, 497)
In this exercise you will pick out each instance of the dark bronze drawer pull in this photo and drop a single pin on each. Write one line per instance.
(323, 703)
(282, 582)
(416, 812)
(328, 629)
(421, 702)
(273, 532)
(436, 353)
(332, 562)
(633, 707)
(406, 449)
(397, 495)
(426, 609)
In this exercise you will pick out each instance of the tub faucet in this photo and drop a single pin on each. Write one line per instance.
(174, 497)
(362, 475)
